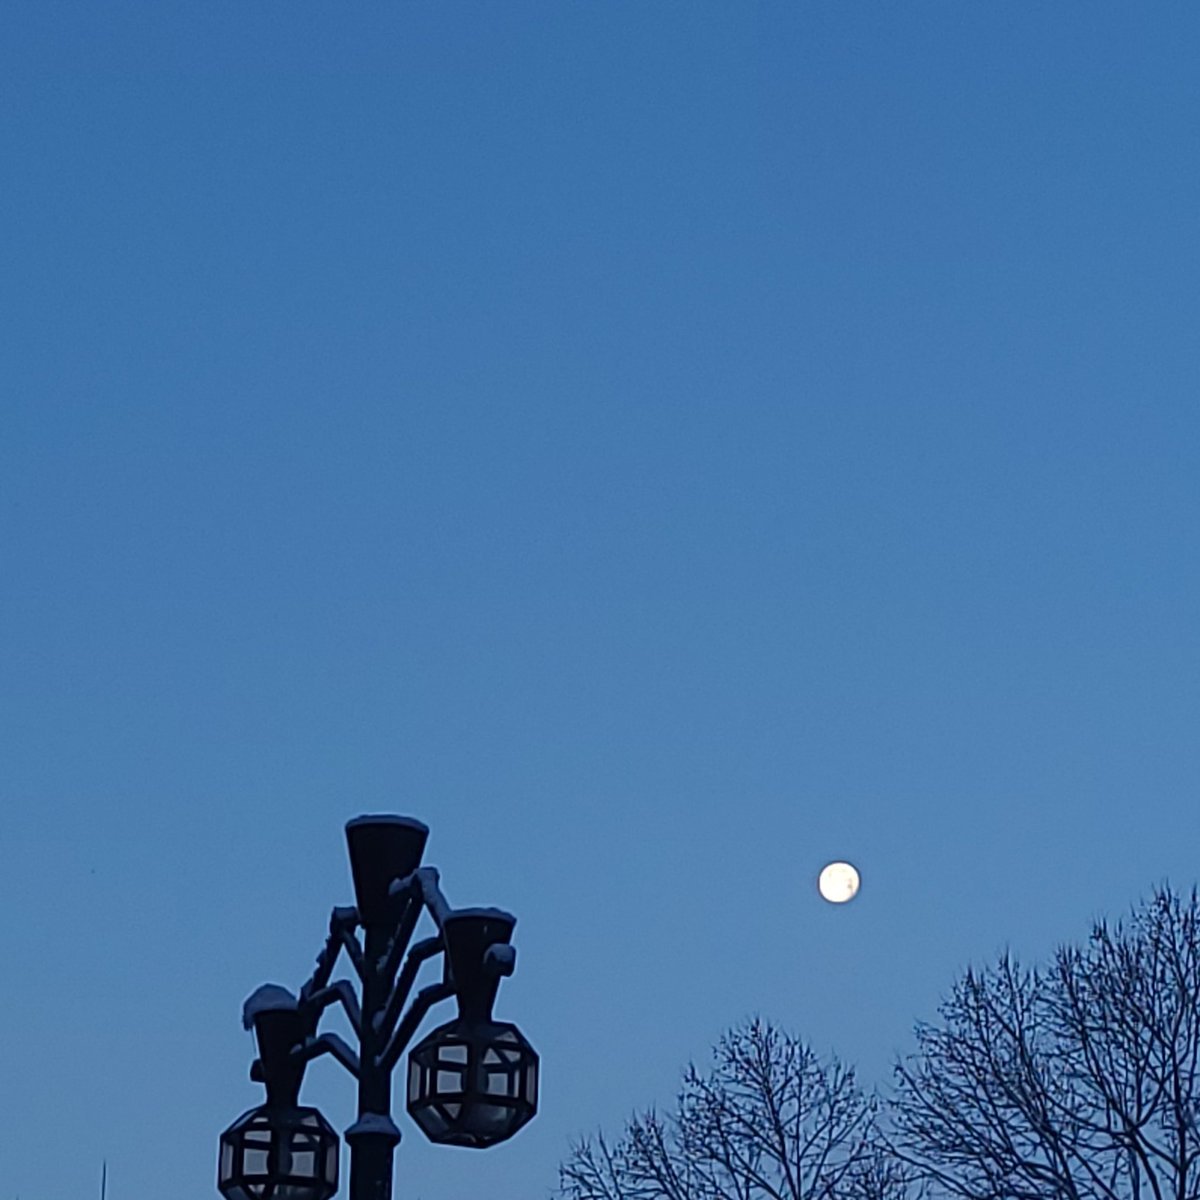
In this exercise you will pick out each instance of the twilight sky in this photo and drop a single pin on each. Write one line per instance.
(663, 446)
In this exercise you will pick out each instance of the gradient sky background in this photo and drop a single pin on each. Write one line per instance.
(662, 446)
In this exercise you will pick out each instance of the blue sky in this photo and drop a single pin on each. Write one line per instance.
(662, 446)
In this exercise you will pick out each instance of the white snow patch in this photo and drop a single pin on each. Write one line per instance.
(374, 1123)
(268, 998)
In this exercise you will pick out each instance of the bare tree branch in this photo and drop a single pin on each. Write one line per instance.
(767, 1121)
(1077, 1082)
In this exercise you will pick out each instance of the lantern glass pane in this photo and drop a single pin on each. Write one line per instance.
(490, 1120)
(433, 1122)
(254, 1162)
(449, 1082)
(414, 1081)
(452, 1053)
(304, 1164)
(502, 1055)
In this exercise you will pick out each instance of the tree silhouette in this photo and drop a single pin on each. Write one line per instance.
(768, 1121)
(1075, 1082)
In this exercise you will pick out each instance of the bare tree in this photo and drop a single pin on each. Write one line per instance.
(1076, 1082)
(769, 1121)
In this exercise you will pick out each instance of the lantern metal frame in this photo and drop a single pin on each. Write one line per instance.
(392, 891)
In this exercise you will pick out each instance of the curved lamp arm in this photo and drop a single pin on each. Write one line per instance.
(341, 992)
(426, 999)
(385, 1022)
(328, 1043)
(342, 923)
(428, 880)
(402, 893)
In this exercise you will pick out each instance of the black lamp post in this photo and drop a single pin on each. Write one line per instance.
(471, 1082)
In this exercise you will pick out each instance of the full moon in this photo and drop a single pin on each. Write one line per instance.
(838, 882)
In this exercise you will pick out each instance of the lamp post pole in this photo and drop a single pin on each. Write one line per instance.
(473, 1081)
(383, 852)
(373, 1141)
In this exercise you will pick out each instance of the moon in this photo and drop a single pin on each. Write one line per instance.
(838, 882)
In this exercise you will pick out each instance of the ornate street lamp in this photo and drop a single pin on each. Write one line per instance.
(472, 1082)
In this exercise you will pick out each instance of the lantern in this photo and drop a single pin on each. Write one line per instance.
(272, 1153)
(281, 1150)
(474, 1081)
(472, 1085)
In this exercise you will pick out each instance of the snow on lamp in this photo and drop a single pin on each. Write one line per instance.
(473, 1081)
(281, 1150)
